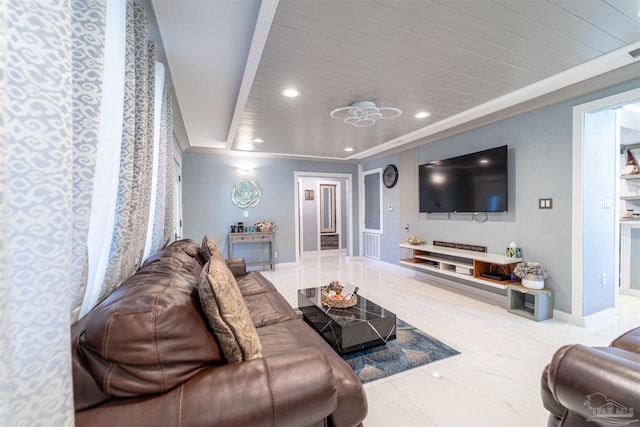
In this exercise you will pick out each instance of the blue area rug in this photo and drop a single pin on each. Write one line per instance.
(410, 349)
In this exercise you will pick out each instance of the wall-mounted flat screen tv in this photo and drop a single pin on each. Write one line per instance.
(475, 182)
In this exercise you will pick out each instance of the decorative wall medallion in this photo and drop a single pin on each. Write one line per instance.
(245, 194)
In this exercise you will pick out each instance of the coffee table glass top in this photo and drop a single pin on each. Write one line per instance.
(347, 329)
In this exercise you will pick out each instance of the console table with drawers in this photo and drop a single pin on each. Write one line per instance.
(266, 238)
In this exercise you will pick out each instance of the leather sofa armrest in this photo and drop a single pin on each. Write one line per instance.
(629, 341)
(289, 389)
(583, 379)
(238, 266)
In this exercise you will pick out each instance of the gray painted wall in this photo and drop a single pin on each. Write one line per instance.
(207, 207)
(389, 250)
(634, 252)
(599, 178)
(540, 161)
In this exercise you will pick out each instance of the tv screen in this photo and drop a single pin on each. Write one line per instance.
(475, 182)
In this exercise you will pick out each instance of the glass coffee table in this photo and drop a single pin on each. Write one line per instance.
(362, 326)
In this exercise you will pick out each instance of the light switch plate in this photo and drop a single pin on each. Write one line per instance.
(545, 203)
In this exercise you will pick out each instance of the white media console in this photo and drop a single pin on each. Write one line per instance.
(461, 264)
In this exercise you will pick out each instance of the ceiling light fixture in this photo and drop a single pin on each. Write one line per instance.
(422, 115)
(291, 92)
(257, 140)
(348, 149)
(362, 114)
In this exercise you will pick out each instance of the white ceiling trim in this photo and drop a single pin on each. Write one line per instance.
(263, 25)
(601, 65)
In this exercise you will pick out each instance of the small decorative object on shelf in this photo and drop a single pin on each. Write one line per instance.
(631, 168)
(513, 251)
(414, 240)
(332, 296)
(265, 226)
(532, 274)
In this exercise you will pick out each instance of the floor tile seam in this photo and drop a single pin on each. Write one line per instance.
(512, 408)
(535, 388)
(416, 407)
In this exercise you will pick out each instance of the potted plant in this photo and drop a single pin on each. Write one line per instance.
(265, 225)
(532, 274)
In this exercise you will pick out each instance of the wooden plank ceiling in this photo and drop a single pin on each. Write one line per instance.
(445, 57)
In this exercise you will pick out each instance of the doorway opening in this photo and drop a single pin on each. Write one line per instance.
(323, 210)
(598, 261)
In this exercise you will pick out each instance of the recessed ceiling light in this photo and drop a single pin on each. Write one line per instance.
(348, 149)
(257, 140)
(422, 115)
(291, 92)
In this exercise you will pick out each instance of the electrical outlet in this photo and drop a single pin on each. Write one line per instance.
(246, 214)
(604, 278)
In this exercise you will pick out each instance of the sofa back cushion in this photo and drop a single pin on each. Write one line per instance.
(189, 247)
(227, 313)
(149, 335)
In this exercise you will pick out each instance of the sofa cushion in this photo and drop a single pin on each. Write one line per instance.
(254, 283)
(291, 335)
(227, 313)
(268, 308)
(210, 250)
(149, 335)
(189, 247)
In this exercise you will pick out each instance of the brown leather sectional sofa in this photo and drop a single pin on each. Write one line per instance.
(594, 386)
(146, 356)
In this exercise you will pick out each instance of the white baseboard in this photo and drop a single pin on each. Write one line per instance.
(586, 321)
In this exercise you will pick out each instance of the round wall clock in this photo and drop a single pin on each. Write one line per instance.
(390, 176)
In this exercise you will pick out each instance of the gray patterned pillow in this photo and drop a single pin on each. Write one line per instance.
(227, 313)
(210, 249)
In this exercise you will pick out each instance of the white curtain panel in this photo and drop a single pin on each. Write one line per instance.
(36, 212)
(136, 160)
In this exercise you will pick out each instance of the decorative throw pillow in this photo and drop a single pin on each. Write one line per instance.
(227, 313)
(210, 250)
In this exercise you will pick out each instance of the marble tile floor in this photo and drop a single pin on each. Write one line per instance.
(495, 381)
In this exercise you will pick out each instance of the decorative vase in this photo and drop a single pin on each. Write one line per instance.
(532, 281)
(265, 229)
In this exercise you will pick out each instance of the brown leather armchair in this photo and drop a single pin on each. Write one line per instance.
(587, 386)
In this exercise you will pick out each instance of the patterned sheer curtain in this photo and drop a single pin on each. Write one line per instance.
(136, 158)
(163, 216)
(88, 41)
(46, 162)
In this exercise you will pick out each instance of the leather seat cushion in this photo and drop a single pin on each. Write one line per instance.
(254, 283)
(268, 308)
